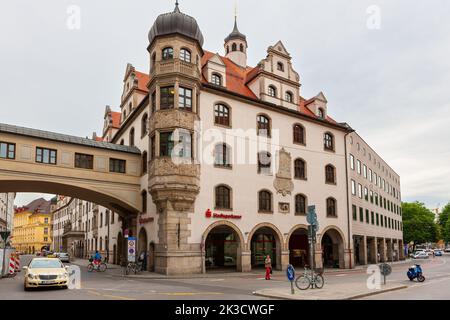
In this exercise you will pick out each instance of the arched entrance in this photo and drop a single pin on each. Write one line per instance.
(142, 244)
(299, 248)
(265, 241)
(332, 249)
(223, 249)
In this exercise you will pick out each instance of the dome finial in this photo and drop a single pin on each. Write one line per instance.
(177, 9)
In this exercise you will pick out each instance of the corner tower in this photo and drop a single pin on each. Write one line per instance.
(175, 47)
(236, 46)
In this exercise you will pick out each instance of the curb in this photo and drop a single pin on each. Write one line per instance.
(358, 296)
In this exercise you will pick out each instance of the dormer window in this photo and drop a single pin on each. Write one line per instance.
(272, 91)
(280, 66)
(167, 53)
(185, 55)
(321, 113)
(216, 79)
(289, 97)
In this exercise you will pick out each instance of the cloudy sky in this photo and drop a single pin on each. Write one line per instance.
(384, 67)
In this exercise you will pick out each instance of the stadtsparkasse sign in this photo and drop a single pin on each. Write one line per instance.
(210, 214)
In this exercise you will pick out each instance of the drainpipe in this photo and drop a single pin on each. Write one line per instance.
(347, 193)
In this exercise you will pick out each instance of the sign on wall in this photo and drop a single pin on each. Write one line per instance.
(131, 249)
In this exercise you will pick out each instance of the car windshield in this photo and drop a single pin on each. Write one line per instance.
(45, 264)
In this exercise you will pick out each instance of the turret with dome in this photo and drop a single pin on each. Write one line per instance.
(236, 46)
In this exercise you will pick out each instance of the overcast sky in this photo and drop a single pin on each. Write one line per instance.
(391, 84)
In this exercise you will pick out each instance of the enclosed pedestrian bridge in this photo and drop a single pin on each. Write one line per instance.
(38, 161)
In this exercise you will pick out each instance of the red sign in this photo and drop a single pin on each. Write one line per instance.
(209, 214)
(145, 220)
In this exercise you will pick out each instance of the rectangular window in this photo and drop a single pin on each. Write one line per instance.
(361, 214)
(353, 187)
(372, 217)
(371, 196)
(365, 171)
(354, 211)
(117, 165)
(366, 194)
(352, 162)
(358, 166)
(84, 161)
(370, 175)
(367, 216)
(165, 144)
(381, 220)
(46, 220)
(375, 177)
(378, 219)
(385, 221)
(45, 230)
(185, 145)
(47, 156)
(360, 192)
(185, 99)
(7, 150)
(167, 97)
(376, 198)
(45, 239)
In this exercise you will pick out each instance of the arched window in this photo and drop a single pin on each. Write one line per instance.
(234, 47)
(328, 141)
(144, 201)
(228, 49)
(272, 91)
(185, 55)
(280, 66)
(223, 197)
(101, 219)
(221, 115)
(331, 208)
(241, 47)
(222, 155)
(167, 53)
(330, 174)
(263, 126)
(300, 169)
(122, 142)
(300, 204)
(132, 137)
(264, 162)
(265, 201)
(144, 125)
(216, 79)
(321, 113)
(289, 97)
(299, 134)
(144, 163)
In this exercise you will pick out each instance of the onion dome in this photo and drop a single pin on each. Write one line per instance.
(176, 22)
(235, 34)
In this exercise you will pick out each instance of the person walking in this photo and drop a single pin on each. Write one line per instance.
(268, 265)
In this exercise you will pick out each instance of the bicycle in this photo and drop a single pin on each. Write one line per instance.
(309, 279)
(101, 267)
(132, 267)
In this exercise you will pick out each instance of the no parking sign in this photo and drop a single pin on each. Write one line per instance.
(131, 249)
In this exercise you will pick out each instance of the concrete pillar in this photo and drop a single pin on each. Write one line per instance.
(284, 259)
(246, 261)
(363, 248)
(348, 259)
(318, 256)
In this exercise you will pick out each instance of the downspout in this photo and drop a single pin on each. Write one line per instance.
(347, 193)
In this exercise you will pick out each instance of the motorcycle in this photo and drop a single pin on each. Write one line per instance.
(415, 272)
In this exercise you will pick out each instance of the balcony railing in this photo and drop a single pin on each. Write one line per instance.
(174, 66)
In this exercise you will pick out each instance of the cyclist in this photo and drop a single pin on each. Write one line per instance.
(97, 258)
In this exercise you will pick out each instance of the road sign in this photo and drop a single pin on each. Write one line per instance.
(5, 234)
(385, 270)
(311, 216)
(131, 249)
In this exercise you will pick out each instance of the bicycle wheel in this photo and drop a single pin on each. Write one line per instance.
(90, 267)
(302, 282)
(319, 281)
(102, 267)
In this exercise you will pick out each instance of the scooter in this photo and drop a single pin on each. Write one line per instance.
(415, 272)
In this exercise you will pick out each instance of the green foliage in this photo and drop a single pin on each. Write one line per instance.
(443, 217)
(418, 223)
(446, 232)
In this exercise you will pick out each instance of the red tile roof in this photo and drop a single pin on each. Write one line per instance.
(143, 80)
(116, 119)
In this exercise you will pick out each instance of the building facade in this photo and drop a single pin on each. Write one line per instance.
(232, 157)
(6, 211)
(32, 227)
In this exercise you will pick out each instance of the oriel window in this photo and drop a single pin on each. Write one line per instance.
(167, 97)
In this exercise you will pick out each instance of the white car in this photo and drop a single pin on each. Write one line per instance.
(421, 255)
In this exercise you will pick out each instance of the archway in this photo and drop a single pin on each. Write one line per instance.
(223, 246)
(142, 245)
(299, 248)
(332, 244)
(265, 240)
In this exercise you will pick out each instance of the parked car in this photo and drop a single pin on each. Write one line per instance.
(421, 255)
(63, 256)
(45, 272)
(438, 253)
(412, 254)
(447, 250)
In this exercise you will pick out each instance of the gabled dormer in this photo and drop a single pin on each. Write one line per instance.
(274, 80)
(318, 105)
(111, 124)
(215, 72)
(134, 90)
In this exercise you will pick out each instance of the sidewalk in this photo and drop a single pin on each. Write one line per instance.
(341, 291)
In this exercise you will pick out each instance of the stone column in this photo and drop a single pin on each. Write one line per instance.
(246, 261)
(363, 250)
(318, 256)
(284, 259)
(348, 259)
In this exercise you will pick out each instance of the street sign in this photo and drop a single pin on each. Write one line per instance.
(131, 249)
(385, 270)
(311, 216)
(5, 234)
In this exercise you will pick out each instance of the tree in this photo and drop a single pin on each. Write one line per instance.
(443, 217)
(446, 232)
(418, 223)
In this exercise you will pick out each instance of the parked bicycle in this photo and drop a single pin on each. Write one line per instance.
(133, 268)
(309, 279)
(100, 267)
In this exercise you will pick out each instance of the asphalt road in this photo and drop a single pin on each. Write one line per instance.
(100, 286)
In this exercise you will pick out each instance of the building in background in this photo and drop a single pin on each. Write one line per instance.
(32, 227)
(6, 211)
